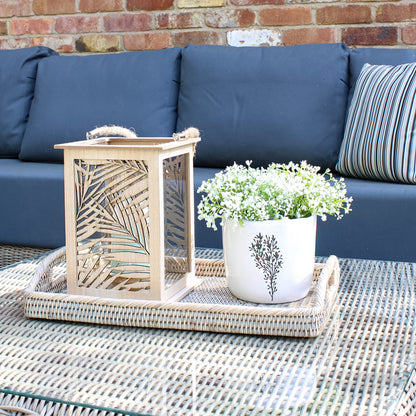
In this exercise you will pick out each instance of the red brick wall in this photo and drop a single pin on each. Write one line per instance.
(75, 26)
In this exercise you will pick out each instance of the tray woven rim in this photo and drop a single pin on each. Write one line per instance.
(247, 319)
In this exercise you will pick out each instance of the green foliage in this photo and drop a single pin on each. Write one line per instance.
(243, 193)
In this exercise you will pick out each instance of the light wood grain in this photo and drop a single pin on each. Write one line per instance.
(129, 217)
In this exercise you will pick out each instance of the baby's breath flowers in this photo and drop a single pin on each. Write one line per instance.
(243, 193)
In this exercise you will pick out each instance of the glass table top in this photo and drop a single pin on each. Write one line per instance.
(359, 365)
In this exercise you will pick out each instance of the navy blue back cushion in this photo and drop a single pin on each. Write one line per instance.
(17, 82)
(75, 94)
(263, 104)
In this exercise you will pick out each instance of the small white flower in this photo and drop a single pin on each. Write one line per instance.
(280, 191)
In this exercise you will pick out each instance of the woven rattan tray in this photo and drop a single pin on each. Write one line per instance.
(210, 307)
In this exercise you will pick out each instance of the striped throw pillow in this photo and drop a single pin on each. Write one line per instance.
(380, 132)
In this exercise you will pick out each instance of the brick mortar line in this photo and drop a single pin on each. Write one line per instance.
(313, 7)
(175, 31)
(254, 27)
(257, 6)
(101, 19)
(254, 8)
(400, 25)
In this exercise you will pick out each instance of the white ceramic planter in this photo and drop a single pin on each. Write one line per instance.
(270, 261)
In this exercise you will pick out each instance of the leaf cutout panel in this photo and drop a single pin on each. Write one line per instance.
(112, 224)
(176, 218)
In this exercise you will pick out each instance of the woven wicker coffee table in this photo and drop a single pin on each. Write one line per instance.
(363, 363)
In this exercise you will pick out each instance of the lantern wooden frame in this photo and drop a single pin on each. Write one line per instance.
(127, 181)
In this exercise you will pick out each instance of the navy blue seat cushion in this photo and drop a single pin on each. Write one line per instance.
(205, 237)
(75, 94)
(17, 82)
(373, 56)
(380, 226)
(32, 208)
(265, 104)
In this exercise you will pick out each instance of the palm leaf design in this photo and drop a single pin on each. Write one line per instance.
(175, 221)
(112, 217)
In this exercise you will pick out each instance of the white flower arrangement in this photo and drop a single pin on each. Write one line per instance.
(242, 193)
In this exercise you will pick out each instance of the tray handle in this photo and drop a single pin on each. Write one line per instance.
(43, 275)
(328, 278)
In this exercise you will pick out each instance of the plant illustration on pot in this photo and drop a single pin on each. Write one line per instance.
(267, 257)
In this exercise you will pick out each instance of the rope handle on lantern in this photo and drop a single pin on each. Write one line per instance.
(110, 131)
(103, 131)
(189, 133)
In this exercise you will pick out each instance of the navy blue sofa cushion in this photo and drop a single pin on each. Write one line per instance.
(75, 94)
(17, 82)
(32, 208)
(380, 226)
(205, 237)
(265, 104)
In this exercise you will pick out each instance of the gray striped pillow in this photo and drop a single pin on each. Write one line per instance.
(380, 132)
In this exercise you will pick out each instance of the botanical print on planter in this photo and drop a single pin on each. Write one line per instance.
(267, 257)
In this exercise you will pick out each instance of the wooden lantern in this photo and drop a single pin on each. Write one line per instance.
(129, 217)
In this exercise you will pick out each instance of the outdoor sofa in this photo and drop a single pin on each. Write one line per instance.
(266, 105)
